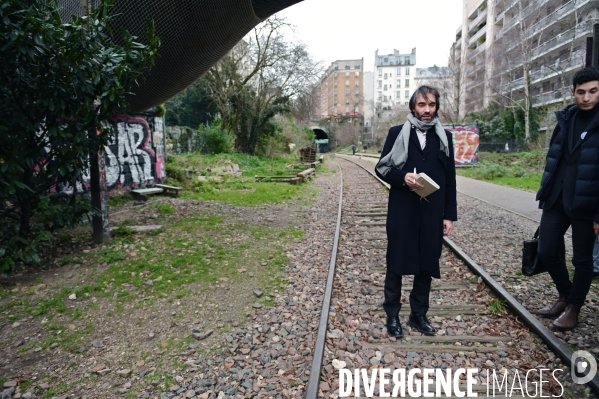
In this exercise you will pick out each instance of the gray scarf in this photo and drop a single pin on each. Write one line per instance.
(398, 155)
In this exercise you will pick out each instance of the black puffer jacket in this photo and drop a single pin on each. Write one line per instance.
(581, 199)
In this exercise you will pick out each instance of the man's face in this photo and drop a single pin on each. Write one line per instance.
(425, 107)
(586, 95)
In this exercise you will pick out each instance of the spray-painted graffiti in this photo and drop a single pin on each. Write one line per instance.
(134, 158)
(465, 144)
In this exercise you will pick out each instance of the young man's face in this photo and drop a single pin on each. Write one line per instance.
(425, 107)
(586, 95)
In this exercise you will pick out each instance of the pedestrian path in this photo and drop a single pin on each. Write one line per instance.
(517, 201)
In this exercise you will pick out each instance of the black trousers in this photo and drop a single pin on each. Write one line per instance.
(419, 297)
(554, 224)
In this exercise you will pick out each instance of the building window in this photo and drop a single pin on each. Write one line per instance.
(347, 92)
(390, 86)
(347, 82)
(347, 65)
(357, 83)
(347, 74)
(335, 102)
(398, 94)
(357, 92)
(407, 82)
(357, 65)
(380, 83)
(380, 95)
(335, 111)
(357, 74)
(407, 94)
(407, 59)
(398, 82)
(335, 93)
(385, 60)
(357, 101)
(384, 98)
(335, 74)
(347, 110)
(385, 87)
(336, 65)
(398, 72)
(357, 110)
(335, 84)
(407, 71)
(385, 77)
(380, 71)
(347, 100)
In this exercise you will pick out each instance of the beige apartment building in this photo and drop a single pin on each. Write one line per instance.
(502, 42)
(341, 89)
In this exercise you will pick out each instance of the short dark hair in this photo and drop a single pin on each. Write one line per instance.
(585, 75)
(425, 91)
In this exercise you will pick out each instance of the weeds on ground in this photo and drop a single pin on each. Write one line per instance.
(521, 170)
(497, 306)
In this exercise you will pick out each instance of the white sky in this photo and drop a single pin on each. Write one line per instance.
(348, 29)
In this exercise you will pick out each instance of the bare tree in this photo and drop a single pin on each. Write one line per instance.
(258, 79)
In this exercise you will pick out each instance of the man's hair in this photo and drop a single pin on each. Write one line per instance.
(585, 75)
(425, 91)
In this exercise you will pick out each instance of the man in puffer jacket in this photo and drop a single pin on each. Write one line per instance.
(569, 196)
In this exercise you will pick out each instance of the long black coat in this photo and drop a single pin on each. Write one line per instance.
(415, 226)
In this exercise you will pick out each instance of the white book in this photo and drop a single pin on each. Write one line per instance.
(429, 185)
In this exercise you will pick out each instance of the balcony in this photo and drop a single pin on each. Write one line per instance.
(475, 83)
(499, 16)
(477, 35)
(581, 30)
(476, 51)
(557, 15)
(551, 97)
(509, 24)
(481, 16)
(577, 60)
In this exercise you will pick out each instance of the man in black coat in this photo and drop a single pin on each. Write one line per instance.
(569, 197)
(416, 226)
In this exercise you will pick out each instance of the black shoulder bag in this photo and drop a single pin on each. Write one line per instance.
(531, 264)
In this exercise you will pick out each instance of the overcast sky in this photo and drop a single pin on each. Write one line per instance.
(348, 29)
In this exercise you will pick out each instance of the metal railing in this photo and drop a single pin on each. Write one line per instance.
(477, 35)
(476, 51)
(482, 15)
(547, 98)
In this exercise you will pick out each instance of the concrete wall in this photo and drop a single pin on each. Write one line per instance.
(135, 157)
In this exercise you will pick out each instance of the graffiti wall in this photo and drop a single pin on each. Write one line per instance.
(136, 155)
(465, 144)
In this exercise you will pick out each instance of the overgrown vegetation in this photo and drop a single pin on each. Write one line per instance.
(190, 171)
(521, 170)
(60, 84)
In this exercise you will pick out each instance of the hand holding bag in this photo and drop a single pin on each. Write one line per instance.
(531, 264)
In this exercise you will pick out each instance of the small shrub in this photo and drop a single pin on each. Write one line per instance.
(492, 171)
(165, 209)
(203, 186)
(122, 231)
(216, 139)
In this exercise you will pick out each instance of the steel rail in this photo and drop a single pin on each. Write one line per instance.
(556, 344)
(313, 382)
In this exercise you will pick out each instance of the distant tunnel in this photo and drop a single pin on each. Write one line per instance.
(321, 136)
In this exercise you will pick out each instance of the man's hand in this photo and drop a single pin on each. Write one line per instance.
(411, 181)
(447, 227)
(596, 227)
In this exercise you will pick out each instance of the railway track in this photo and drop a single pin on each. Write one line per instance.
(479, 324)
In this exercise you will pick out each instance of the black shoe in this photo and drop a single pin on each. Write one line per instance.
(394, 327)
(421, 323)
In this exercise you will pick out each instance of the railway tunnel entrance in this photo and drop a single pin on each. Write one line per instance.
(322, 140)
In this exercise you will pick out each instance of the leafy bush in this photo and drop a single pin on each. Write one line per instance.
(215, 139)
(491, 171)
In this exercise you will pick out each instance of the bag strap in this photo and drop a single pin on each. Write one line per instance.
(537, 233)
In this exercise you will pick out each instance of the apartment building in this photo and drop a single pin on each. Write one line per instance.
(393, 79)
(501, 41)
(341, 89)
